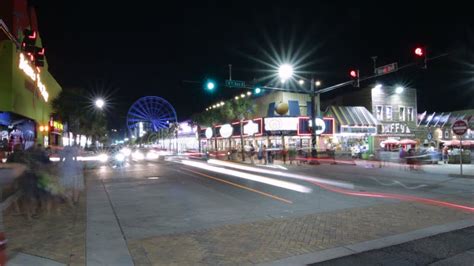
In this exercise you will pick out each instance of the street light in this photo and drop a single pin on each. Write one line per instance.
(318, 83)
(399, 89)
(285, 72)
(99, 103)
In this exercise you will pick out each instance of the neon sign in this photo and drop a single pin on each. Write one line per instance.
(30, 72)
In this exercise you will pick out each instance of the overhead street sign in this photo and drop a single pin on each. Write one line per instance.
(460, 127)
(386, 69)
(235, 83)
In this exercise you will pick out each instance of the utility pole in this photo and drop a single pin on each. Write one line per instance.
(230, 71)
(315, 100)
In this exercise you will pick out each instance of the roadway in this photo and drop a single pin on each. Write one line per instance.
(179, 196)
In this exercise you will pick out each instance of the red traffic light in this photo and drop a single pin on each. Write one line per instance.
(353, 73)
(419, 51)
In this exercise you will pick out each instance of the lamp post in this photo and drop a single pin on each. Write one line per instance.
(285, 72)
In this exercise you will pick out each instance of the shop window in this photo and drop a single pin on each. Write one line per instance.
(410, 113)
(401, 113)
(388, 112)
(379, 112)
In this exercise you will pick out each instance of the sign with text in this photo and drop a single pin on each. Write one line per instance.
(358, 130)
(386, 69)
(396, 129)
(281, 123)
(235, 83)
(324, 128)
(460, 127)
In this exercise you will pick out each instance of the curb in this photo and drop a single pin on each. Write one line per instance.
(338, 252)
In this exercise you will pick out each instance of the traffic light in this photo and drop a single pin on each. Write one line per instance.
(39, 56)
(354, 73)
(29, 40)
(421, 57)
(257, 91)
(210, 85)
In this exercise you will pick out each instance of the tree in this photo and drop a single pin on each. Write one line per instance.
(73, 106)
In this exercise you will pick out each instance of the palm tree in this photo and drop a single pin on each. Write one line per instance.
(73, 106)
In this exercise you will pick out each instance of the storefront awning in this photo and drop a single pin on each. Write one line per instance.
(353, 116)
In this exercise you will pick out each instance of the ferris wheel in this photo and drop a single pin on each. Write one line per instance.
(153, 112)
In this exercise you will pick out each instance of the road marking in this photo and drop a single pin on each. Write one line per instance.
(240, 186)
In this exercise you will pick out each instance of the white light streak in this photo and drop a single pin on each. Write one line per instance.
(282, 174)
(256, 178)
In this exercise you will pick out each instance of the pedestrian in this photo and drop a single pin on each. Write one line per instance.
(252, 153)
(284, 153)
(71, 177)
(265, 154)
(260, 154)
(445, 155)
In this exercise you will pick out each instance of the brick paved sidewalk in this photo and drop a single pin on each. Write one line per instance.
(59, 236)
(269, 240)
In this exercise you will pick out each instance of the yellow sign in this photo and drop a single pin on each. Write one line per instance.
(31, 73)
(57, 125)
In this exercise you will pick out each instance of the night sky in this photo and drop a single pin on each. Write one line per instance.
(132, 49)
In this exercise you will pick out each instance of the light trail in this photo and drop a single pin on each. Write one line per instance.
(282, 174)
(241, 186)
(397, 196)
(256, 178)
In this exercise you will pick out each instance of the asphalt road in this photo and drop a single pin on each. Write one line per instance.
(155, 198)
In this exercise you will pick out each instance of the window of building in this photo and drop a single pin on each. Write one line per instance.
(410, 114)
(379, 112)
(446, 134)
(388, 112)
(401, 113)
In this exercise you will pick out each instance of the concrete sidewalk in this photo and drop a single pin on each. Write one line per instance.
(106, 244)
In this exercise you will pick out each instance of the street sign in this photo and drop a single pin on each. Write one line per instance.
(386, 69)
(460, 127)
(235, 83)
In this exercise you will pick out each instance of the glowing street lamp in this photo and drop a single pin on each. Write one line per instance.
(285, 72)
(399, 89)
(318, 83)
(99, 103)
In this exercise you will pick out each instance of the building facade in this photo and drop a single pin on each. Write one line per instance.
(26, 91)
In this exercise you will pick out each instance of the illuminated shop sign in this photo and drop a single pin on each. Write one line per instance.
(25, 65)
(226, 131)
(395, 128)
(325, 126)
(250, 128)
(281, 123)
(358, 130)
(209, 133)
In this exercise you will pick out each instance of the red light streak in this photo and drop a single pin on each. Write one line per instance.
(396, 196)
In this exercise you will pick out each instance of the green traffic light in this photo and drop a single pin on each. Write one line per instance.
(210, 86)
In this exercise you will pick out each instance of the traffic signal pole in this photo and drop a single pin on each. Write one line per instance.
(315, 101)
(7, 32)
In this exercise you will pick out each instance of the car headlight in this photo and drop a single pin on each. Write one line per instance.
(152, 155)
(138, 156)
(126, 151)
(120, 157)
(103, 157)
